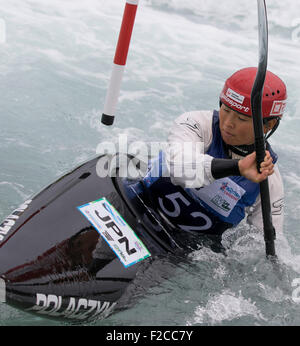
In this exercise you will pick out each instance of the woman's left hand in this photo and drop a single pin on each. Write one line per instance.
(248, 168)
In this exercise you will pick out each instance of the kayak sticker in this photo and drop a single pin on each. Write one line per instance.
(9, 222)
(115, 231)
(71, 307)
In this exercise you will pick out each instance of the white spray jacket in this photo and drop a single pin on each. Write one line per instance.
(196, 127)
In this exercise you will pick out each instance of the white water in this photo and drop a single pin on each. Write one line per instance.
(54, 68)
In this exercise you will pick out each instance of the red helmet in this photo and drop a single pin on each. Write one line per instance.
(236, 93)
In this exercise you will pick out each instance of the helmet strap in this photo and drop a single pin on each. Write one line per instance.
(267, 135)
(241, 150)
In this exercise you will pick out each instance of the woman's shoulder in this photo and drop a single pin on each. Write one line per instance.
(201, 117)
(193, 126)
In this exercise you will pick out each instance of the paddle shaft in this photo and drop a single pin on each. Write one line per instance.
(256, 105)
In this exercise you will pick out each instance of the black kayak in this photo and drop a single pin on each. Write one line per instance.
(72, 251)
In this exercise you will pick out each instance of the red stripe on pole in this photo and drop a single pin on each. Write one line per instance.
(125, 34)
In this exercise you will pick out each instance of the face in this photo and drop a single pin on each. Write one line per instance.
(236, 128)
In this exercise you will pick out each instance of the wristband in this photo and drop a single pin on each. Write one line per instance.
(221, 168)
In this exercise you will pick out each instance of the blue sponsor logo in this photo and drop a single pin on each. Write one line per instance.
(117, 218)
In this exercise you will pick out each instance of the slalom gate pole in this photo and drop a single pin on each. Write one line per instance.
(119, 62)
(256, 105)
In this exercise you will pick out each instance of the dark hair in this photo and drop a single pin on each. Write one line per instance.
(265, 121)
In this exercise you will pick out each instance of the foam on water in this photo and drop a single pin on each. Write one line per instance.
(54, 68)
(225, 307)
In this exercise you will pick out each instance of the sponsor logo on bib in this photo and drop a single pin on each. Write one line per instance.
(222, 195)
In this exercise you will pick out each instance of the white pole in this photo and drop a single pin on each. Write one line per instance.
(120, 58)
